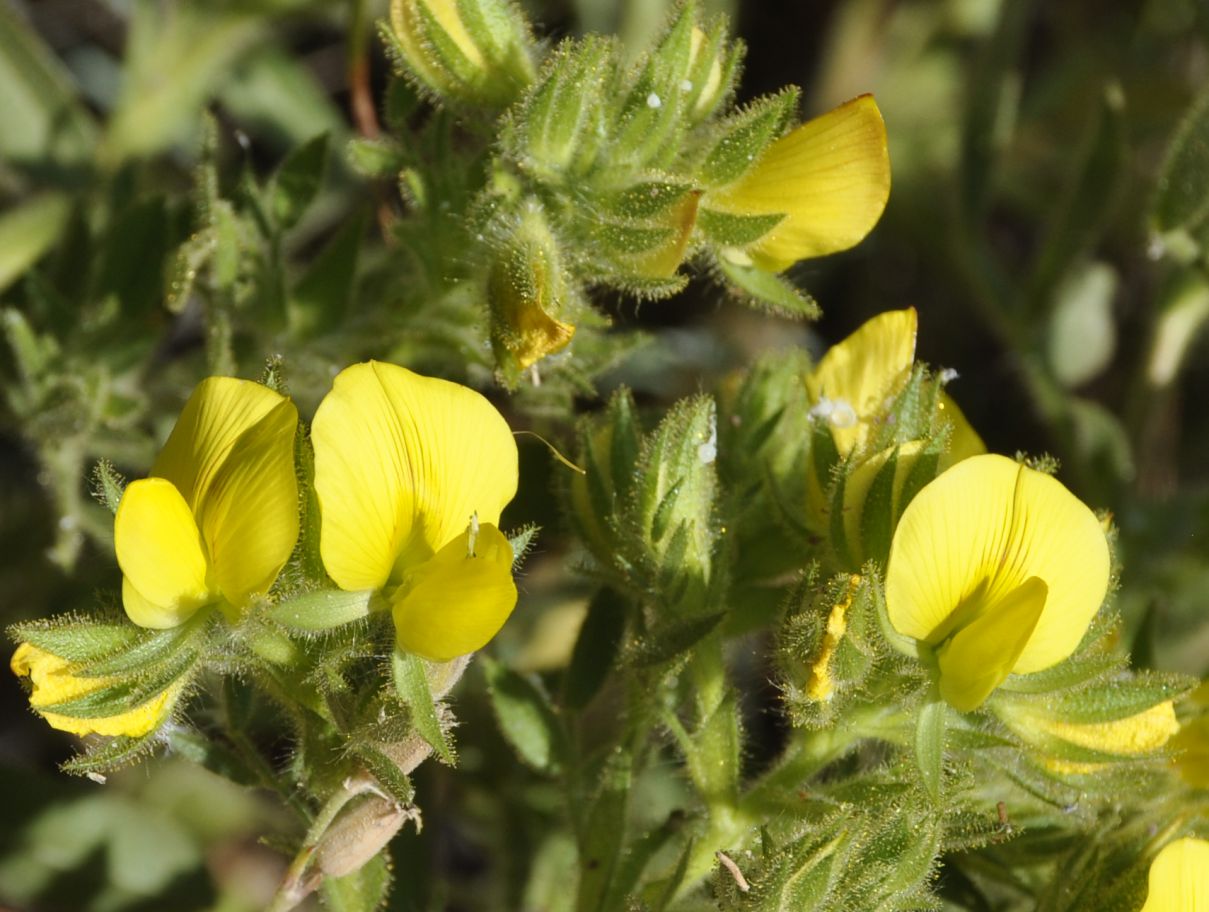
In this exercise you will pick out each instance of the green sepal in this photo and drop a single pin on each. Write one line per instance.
(646, 198)
(411, 683)
(322, 609)
(767, 290)
(878, 516)
(393, 780)
(671, 640)
(77, 638)
(555, 131)
(125, 694)
(114, 753)
(930, 745)
(743, 137)
(107, 485)
(525, 716)
(728, 229)
(152, 648)
(521, 542)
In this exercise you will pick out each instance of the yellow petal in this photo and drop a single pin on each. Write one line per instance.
(1191, 747)
(53, 683)
(981, 654)
(1141, 733)
(964, 441)
(401, 464)
(1179, 878)
(249, 517)
(862, 372)
(830, 178)
(456, 602)
(218, 412)
(979, 532)
(161, 555)
(860, 480)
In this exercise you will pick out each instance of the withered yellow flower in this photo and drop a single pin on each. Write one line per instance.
(998, 569)
(829, 179)
(54, 684)
(412, 474)
(218, 518)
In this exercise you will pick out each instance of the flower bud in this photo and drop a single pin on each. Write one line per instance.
(528, 289)
(361, 831)
(827, 647)
(473, 51)
(1082, 734)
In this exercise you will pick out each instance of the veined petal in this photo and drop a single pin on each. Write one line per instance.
(981, 654)
(1179, 878)
(981, 530)
(401, 464)
(218, 412)
(863, 371)
(830, 178)
(456, 602)
(159, 549)
(53, 683)
(249, 518)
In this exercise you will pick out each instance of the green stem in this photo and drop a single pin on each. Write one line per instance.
(732, 828)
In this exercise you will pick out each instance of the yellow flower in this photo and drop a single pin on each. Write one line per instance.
(218, 518)
(412, 474)
(851, 390)
(829, 179)
(997, 568)
(1131, 737)
(859, 377)
(53, 683)
(1179, 878)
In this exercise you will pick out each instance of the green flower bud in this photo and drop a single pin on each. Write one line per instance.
(473, 51)
(528, 290)
(827, 647)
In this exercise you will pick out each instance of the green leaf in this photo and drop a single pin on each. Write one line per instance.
(44, 119)
(411, 683)
(603, 833)
(28, 231)
(297, 181)
(1083, 334)
(525, 716)
(1181, 201)
(1087, 205)
(764, 289)
(153, 647)
(365, 890)
(596, 649)
(930, 745)
(322, 609)
(321, 298)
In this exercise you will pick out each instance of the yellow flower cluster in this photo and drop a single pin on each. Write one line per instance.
(411, 475)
